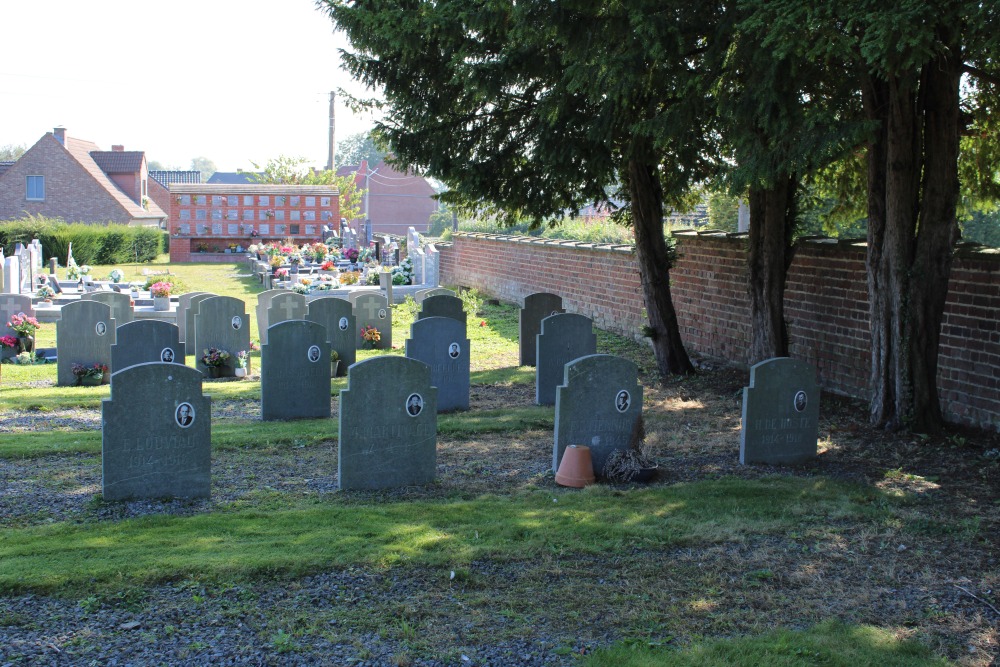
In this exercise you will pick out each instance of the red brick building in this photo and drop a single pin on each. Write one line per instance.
(396, 200)
(69, 178)
(207, 219)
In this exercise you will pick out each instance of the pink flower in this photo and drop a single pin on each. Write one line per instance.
(483, 323)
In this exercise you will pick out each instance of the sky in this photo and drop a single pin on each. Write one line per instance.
(233, 82)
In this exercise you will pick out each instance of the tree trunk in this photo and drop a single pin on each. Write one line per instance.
(772, 223)
(937, 230)
(882, 402)
(654, 268)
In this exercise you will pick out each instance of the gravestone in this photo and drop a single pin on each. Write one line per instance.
(563, 338)
(120, 304)
(24, 269)
(84, 335)
(2, 279)
(440, 343)
(598, 405)
(432, 265)
(780, 413)
(221, 322)
(36, 250)
(536, 307)
(388, 430)
(337, 317)
(284, 307)
(417, 256)
(144, 341)
(10, 305)
(193, 304)
(11, 269)
(295, 372)
(442, 305)
(183, 303)
(422, 294)
(156, 434)
(263, 303)
(371, 309)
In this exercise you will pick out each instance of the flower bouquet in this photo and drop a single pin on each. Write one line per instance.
(160, 289)
(89, 376)
(281, 274)
(116, 276)
(352, 254)
(24, 325)
(371, 336)
(45, 292)
(215, 359)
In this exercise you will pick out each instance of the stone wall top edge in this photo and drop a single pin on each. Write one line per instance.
(557, 243)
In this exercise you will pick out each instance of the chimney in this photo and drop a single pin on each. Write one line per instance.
(118, 148)
(60, 135)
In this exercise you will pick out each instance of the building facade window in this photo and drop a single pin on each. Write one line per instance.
(35, 188)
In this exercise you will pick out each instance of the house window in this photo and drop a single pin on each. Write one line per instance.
(35, 188)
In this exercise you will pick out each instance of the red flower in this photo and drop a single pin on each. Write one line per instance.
(483, 323)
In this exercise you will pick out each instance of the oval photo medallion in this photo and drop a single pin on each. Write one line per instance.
(800, 401)
(167, 355)
(622, 401)
(184, 415)
(342, 324)
(454, 350)
(237, 322)
(381, 314)
(414, 404)
(101, 328)
(313, 353)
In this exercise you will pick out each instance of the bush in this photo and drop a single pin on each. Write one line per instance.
(92, 244)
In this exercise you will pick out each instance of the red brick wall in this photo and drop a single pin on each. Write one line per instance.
(826, 305)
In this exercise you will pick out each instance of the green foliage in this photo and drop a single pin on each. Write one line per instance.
(354, 148)
(598, 231)
(12, 152)
(293, 171)
(205, 166)
(829, 643)
(92, 244)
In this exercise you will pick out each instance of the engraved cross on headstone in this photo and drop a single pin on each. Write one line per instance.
(290, 307)
(370, 309)
(9, 307)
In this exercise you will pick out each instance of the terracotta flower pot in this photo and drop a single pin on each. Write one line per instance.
(576, 468)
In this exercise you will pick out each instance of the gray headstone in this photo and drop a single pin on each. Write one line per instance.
(222, 322)
(442, 305)
(440, 343)
(156, 434)
(10, 305)
(263, 303)
(536, 307)
(120, 304)
(372, 309)
(564, 337)
(84, 335)
(598, 405)
(145, 341)
(11, 270)
(190, 341)
(388, 430)
(422, 294)
(183, 303)
(780, 413)
(418, 256)
(295, 371)
(432, 264)
(337, 316)
(284, 307)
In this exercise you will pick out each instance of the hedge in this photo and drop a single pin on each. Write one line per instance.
(92, 244)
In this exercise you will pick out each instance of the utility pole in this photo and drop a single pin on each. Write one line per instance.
(333, 123)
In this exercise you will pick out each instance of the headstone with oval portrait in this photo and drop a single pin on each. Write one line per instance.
(440, 343)
(388, 429)
(442, 305)
(780, 413)
(563, 338)
(221, 322)
(284, 307)
(85, 333)
(295, 372)
(537, 307)
(142, 341)
(337, 316)
(156, 434)
(598, 405)
(372, 309)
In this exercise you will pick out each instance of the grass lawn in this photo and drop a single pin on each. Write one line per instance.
(884, 551)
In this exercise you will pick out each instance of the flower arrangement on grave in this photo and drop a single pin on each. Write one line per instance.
(85, 270)
(8, 341)
(281, 274)
(254, 248)
(295, 258)
(365, 255)
(160, 288)
(371, 336)
(349, 277)
(403, 274)
(352, 254)
(327, 266)
(242, 357)
(325, 287)
(45, 292)
(116, 276)
(300, 288)
(213, 357)
(276, 260)
(96, 371)
(372, 278)
(72, 271)
(24, 359)
(24, 325)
